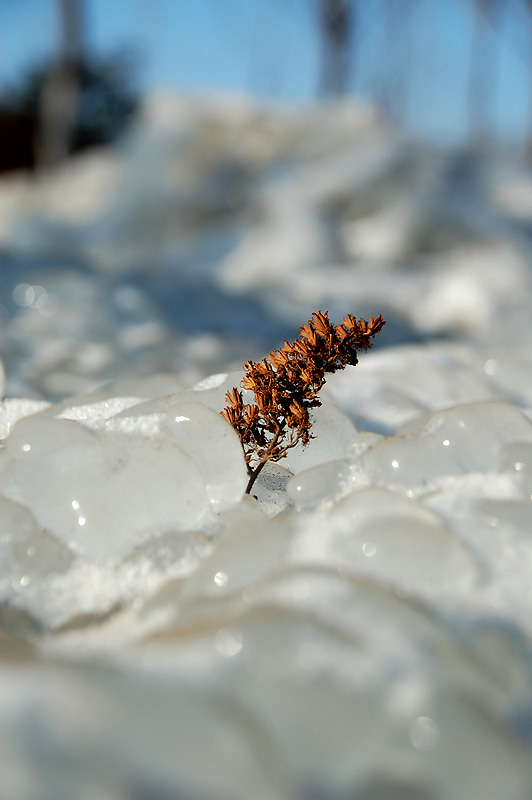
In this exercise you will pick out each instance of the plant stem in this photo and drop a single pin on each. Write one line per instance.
(254, 473)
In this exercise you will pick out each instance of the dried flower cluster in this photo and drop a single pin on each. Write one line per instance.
(286, 385)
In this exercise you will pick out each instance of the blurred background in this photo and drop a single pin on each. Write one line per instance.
(183, 184)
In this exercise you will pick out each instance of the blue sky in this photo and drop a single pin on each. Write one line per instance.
(271, 47)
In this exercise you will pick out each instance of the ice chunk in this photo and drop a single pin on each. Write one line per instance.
(382, 533)
(100, 493)
(144, 736)
(361, 442)
(201, 433)
(250, 549)
(331, 428)
(392, 387)
(14, 408)
(28, 553)
(87, 593)
(517, 456)
(270, 488)
(211, 391)
(457, 440)
(504, 421)
(322, 483)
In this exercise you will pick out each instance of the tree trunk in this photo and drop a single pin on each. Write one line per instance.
(60, 93)
(336, 26)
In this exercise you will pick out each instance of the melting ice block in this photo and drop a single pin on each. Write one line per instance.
(200, 432)
(14, 408)
(319, 484)
(28, 553)
(331, 429)
(454, 441)
(382, 533)
(100, 493)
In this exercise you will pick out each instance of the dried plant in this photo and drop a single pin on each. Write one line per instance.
(286, 385)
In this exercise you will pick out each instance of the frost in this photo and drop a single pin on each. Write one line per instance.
(13, 409)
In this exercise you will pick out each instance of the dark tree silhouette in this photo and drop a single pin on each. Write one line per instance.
(60, 89)
(336, 20)
(483, 68)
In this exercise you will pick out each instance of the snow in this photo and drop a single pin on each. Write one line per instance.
(360, 625)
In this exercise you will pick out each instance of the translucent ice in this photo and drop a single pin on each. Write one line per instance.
(14, 408)
(331, 428)
(457, 440)
(516, 456)
(100, 493)
(201, 433)
(211, 391)
(378, 532)
(251, 549)
(322, 483)
(28, 552)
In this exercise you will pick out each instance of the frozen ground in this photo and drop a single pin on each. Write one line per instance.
(360, 629)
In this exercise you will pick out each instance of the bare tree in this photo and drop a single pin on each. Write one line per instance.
(483, 68)
(393, 80)
(60, 93)
(336, 23)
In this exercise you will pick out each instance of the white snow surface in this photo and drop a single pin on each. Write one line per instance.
(360, 627)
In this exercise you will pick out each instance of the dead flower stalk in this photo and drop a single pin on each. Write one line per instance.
(286, 385)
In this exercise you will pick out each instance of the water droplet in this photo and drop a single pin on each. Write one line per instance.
(490, 366)
(49, 308)
(75, 505)
(23, 294)
(25, 580)
(250, 595)
(395, 464)
(81, 521)
(228, 642)
(446, 443)
(40, 296)
(424, 733)
(26, 447)
(369, 549)
(221, 579)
